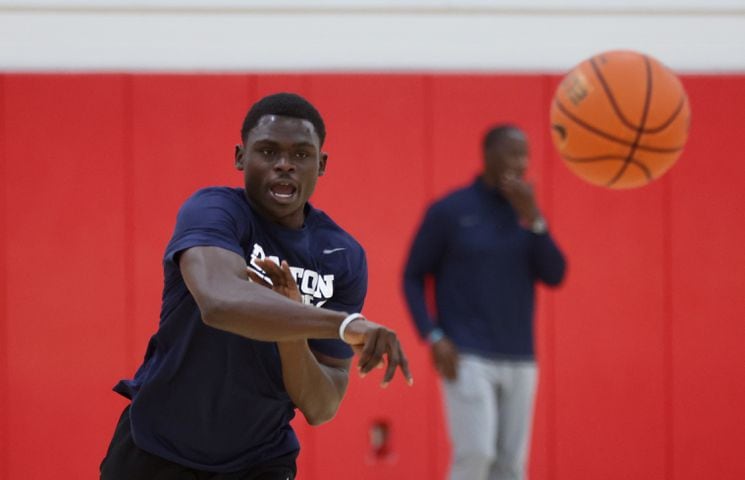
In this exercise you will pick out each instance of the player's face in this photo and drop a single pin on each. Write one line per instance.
(507, 157)
(281, 160)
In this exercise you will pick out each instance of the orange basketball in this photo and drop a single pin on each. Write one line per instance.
(620, 119)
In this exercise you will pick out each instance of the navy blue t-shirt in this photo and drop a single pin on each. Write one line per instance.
(213, 400)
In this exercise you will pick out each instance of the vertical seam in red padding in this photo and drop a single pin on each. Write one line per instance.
(4, 385)
(428, 189)
(129, 220)
(667, 295)
(306, 83)
(548, 364)
(250, 92)
(428, 137)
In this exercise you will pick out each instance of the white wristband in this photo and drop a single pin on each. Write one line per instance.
(345, 323)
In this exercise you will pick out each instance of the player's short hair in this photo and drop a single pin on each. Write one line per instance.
(286, 105)
(497, 133)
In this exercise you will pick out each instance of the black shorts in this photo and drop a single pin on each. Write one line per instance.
(125, 461)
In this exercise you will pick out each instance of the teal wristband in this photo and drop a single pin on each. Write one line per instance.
(435, 336)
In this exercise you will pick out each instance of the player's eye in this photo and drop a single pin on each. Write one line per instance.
(302, 155)
(267, 152)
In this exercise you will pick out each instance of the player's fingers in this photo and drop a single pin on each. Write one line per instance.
(357, 350)
(375, 354)
(405, 366)
(267, 265)
(261, 264)
(367, 351)
(256, 278)
(286, 269)
(274, 272)
(273, 266)
(278, 275)
(394, 360)
(289, 279)
(397, 359)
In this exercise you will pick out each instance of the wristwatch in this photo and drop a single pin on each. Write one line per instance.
(539, 226)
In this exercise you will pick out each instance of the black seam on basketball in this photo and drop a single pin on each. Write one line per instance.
(644, 168)
(671, 119)
(610, 137)
(643, 121)
(611, 97)
(617, 108)
(598, 158)
(646, 148)
(589, 127)
(604, 158)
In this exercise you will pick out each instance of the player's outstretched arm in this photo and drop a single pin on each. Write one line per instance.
(216, 278)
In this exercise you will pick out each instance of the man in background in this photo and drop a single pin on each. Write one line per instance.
(485, 245)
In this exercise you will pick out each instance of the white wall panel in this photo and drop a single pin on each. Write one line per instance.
(386, 5)
(366, 35)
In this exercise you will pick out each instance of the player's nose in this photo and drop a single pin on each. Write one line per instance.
(283, 163)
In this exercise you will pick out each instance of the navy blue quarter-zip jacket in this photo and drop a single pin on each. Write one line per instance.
(485, 266)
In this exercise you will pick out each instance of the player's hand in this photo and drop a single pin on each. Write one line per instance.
(282, 280)
(445, 358)
(521, 196)
(375, 345)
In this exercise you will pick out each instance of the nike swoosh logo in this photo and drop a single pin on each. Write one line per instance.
(332, 250)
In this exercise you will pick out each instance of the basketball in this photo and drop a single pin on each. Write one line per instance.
(620, 119)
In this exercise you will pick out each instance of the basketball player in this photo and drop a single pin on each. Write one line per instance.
(231, 359)
(486, 245)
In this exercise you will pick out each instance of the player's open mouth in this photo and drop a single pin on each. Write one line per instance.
(283, 191)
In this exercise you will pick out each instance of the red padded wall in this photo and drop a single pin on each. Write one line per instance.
(4, 385)
(707, 275)
(641, 350)
(65, 270)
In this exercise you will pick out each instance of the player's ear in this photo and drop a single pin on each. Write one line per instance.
(239, 152)
(322, 163)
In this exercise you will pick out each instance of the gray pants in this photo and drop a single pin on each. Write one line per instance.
(489, 412)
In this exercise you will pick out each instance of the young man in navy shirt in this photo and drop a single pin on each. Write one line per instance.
(231, 359)
(485, 245)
